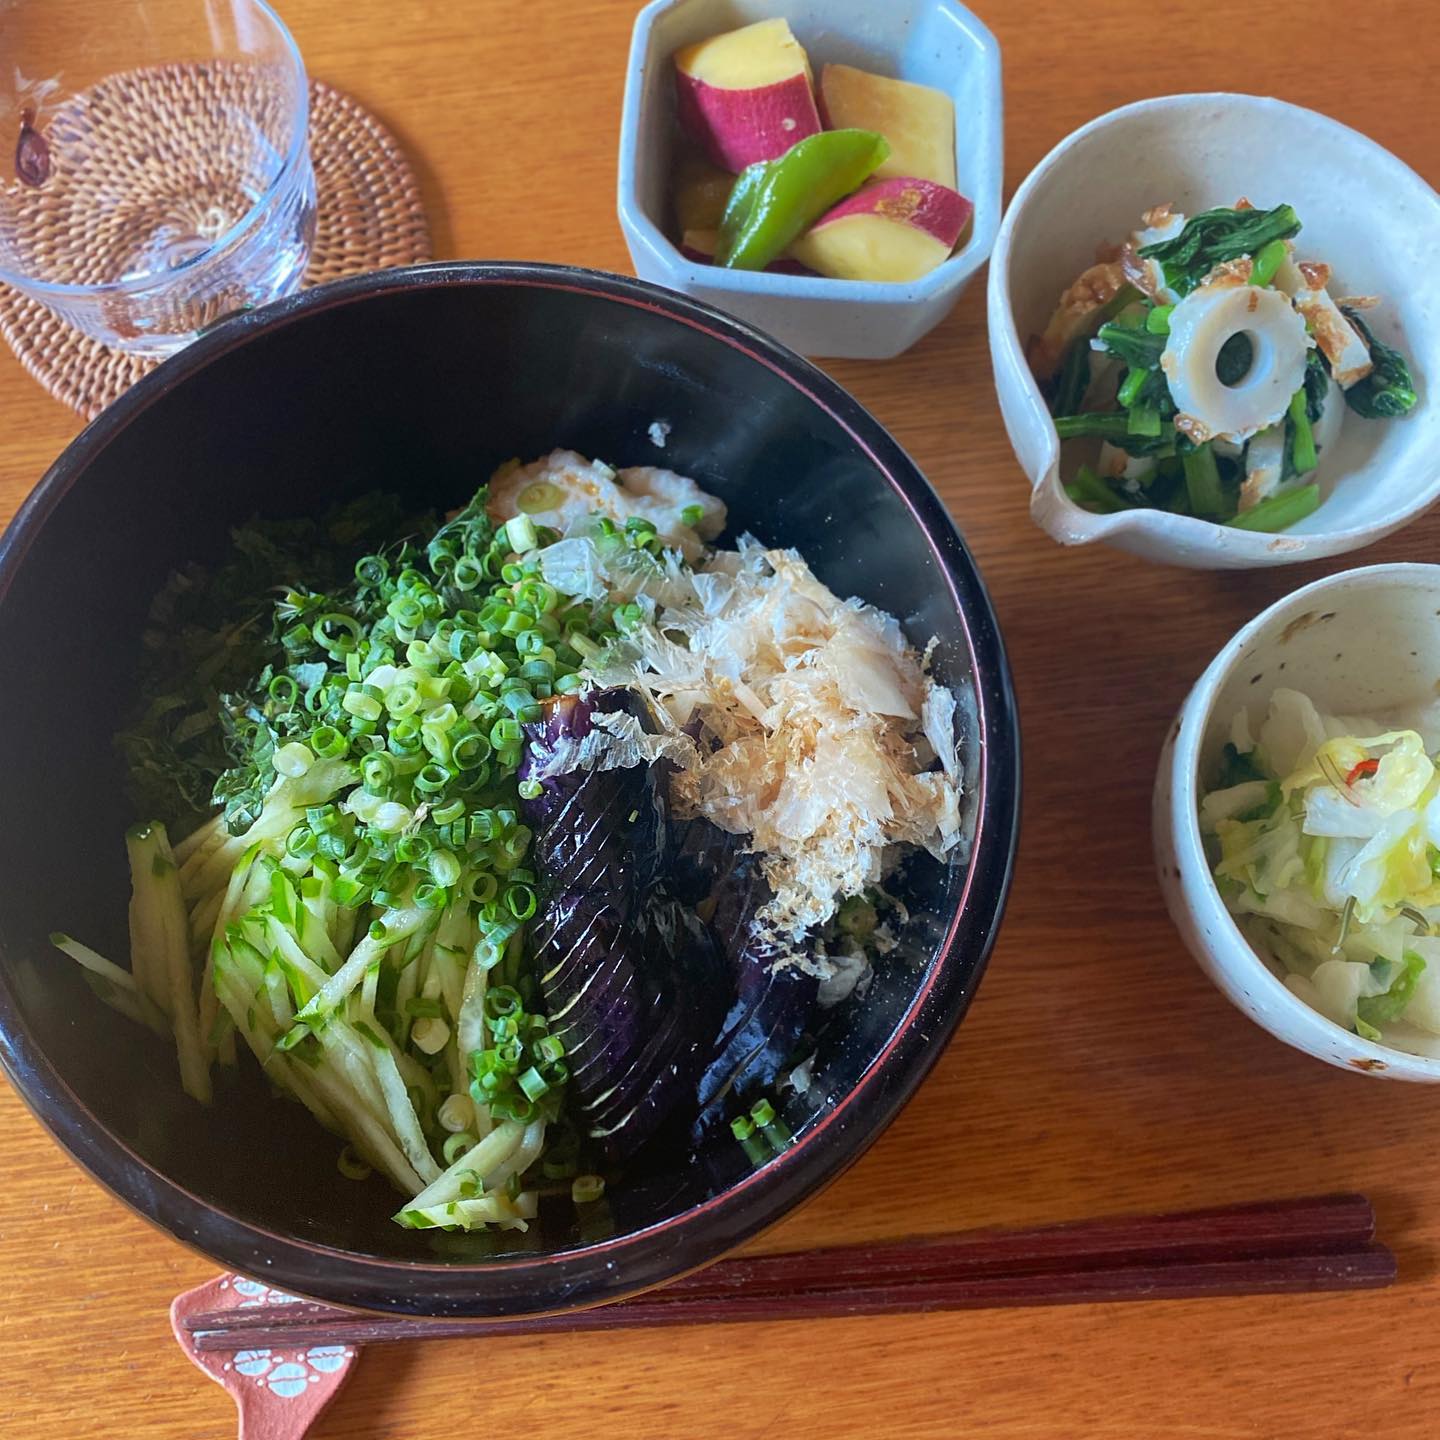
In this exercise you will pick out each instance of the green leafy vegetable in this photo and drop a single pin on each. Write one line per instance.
(1317, 385)
(1138, 348)
(1382, 1009)
(1131, 386)
(1268, 260)
(1279, 512)
(1266, 807)
(1157, 322)
(1073, 380)
(1216, 236)
(1144, 420)
(1388, 391)
(1115, 427)
(1300, 436)
(1202, 483)
(1237, 768)
(1236, 357)
(207, 637)
(1095, 493)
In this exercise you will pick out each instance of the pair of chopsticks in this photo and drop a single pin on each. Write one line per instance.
(1277, 1247)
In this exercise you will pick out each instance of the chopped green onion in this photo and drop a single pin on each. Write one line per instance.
(457, 1145)
(351, 1166)
(378, 772)
(520, 533)
(520, 900)
(328, 743)
(586, 1189)
(360, 703)
(283, 691)
(427, 896)
(550, 1048)
(402, 700)
(857, 916)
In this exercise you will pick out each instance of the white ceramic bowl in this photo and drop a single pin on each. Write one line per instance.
(933, 42)
(1360, 643)
(1364, 212)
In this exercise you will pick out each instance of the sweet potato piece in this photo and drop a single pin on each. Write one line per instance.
(701, 191)
(894, 230)
(918, 122)
(746, 95)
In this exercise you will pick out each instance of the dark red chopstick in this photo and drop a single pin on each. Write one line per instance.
(1278, 1247)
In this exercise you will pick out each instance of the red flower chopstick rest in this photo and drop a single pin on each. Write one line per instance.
(279, 1393)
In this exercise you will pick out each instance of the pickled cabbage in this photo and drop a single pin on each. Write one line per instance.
(1324, 833)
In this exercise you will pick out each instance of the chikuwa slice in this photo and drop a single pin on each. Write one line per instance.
(1200, 326)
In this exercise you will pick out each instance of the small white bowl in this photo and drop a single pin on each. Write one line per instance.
(933, 42)
(1361, 642)
(1364, 212)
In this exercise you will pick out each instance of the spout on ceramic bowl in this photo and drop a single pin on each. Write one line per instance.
(1198, 152)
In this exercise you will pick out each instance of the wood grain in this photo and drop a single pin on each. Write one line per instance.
(1098, 1072)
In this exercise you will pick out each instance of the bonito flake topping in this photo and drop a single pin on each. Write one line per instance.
(818, 728)
(789, 715)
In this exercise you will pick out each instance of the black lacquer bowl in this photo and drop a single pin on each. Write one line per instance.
(423, 380)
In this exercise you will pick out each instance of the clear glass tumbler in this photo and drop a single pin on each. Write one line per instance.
(160, 176)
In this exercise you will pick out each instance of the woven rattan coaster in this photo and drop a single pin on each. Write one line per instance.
(368, 218)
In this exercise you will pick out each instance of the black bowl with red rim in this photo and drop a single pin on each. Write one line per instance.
(422, 381)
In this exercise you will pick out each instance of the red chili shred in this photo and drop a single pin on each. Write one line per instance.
(1363, 770)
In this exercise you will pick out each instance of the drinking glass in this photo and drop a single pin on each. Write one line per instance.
(160, 177)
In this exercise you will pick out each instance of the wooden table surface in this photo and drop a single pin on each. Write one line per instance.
(1098, 1071)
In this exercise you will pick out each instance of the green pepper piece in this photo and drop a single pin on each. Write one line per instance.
(740, 207)
(776, 201)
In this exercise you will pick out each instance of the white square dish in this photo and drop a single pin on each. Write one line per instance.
(933, 42)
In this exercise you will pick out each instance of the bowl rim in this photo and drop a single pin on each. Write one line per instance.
(634, 1262)
(1221, 938)
(1178, 531)
(295, 156)
(949, 274)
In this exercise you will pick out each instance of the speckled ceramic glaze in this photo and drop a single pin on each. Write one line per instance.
(932, 42)
(1364, 213)
(1358, 643)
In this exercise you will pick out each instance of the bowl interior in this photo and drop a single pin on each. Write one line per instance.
(422, 384)
(932, 42)
(1364, 644)
(1364, 213)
